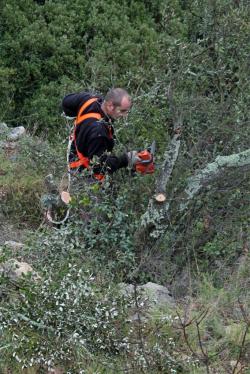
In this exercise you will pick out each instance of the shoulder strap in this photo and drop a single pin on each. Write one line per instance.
(86, 116)
(81, 116)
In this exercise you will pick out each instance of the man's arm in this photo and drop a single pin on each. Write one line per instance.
(106, 163)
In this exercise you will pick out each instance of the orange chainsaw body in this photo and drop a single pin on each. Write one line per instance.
(146, 165)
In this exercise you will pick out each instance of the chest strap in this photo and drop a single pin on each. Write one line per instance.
(82, 160)
(81, 116)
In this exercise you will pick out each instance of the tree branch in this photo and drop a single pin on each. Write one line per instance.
(212, 171)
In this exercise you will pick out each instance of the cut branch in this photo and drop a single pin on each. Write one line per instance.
(170, 158)
(158, 206)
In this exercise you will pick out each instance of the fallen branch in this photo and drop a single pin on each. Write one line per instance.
(212, 171)
(154, 222)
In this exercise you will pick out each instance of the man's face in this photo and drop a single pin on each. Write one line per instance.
(122, 110)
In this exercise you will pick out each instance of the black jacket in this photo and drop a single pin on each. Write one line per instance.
(93, 137)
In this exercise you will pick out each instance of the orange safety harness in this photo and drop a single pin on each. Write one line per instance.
(83, 160)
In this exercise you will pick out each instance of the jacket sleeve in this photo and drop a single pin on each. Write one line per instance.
(111, 163)
(106, 163)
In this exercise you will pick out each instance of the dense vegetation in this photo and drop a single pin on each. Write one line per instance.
(182, 61)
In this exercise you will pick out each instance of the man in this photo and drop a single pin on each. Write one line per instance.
(93, 137)
(94, 132)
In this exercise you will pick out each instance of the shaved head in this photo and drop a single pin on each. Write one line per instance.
(116, 96)
(117, 103)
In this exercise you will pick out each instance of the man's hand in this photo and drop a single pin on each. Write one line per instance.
(133, 158)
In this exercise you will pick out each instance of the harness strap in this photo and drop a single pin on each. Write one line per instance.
(82, 160)
(82, 109)
(86, 116)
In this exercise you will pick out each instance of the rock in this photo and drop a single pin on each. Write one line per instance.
(157, 294)
(126, 289)
(15, 246)
(150, 295)
(14, 270)
(180, 286)
(16, 133)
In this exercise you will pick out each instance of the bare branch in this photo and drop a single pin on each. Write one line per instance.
(205, 355)
(183, 326)
(241, 349)
(247, 322)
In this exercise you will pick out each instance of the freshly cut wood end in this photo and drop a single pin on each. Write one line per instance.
(160, 197)
(65, 196)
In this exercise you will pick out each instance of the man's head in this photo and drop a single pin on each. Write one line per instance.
(117, 103)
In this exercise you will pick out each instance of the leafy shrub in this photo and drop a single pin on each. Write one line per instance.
(22, 178)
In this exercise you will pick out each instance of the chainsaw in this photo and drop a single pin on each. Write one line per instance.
(146, 163)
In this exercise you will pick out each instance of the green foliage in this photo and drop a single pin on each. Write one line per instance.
(21, 191)
(77, 304)
(225, 320)
(21, 179)
(59, 42)
(7, 88)
(181, 60)
(71, 308)
(98, 233)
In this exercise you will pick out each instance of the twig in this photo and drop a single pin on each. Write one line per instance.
(247, 321)
(186, 337)
(205, 358)
(205, 355)
(140, 326)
